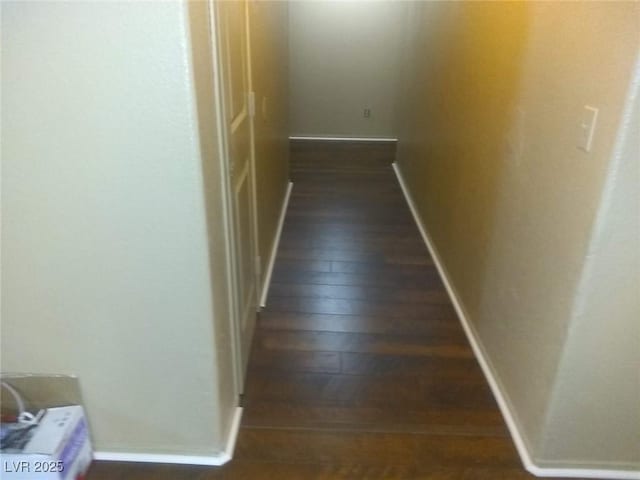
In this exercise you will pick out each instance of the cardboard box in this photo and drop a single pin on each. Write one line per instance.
(58, 448)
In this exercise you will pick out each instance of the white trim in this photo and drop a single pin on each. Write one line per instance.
(344, 139)
(227, 199)
(212, 460)
(583, 473)
(493, 380)
(274, 248)
(234, 429)
(215, 459)
(251, 100)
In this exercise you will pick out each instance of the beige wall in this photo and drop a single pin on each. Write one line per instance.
(107, 271)
(269, 72)
(597, 395)
(492, 98)
(344, 58)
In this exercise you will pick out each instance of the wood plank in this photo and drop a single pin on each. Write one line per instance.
(349, 292)
(398, 279)
(412, 392)
(445, 345)
(445, 370)
(377, 242)
(294, 361)
(388, 256)
(374, 307)
(353, 448)
(377, 267)
(247, 469)
(347, 448)
(450, 420)
(297, 321)
(347, 229)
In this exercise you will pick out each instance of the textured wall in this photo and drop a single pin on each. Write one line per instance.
(344, 58)
(270, 81)
(492, 100)
(105, 256)
(597, 395)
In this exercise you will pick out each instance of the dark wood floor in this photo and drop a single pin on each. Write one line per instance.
(359, 367)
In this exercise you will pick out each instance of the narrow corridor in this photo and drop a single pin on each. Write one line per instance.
(203, 232)
(359, 368)
(359, 365)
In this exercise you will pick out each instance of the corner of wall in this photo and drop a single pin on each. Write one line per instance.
(598, 357)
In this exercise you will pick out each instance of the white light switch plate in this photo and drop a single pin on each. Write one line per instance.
(587, 127)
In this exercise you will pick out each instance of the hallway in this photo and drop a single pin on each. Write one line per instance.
(359, 367)
(475, 317)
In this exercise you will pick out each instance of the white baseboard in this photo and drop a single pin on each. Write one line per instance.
(215, 459)
(274, 249)
(344, 139)
(493, 380)
(559, 472)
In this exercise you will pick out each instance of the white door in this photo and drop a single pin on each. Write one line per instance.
(233, 46)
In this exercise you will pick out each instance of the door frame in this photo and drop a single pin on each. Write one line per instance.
(229, 219)
(254, 181)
